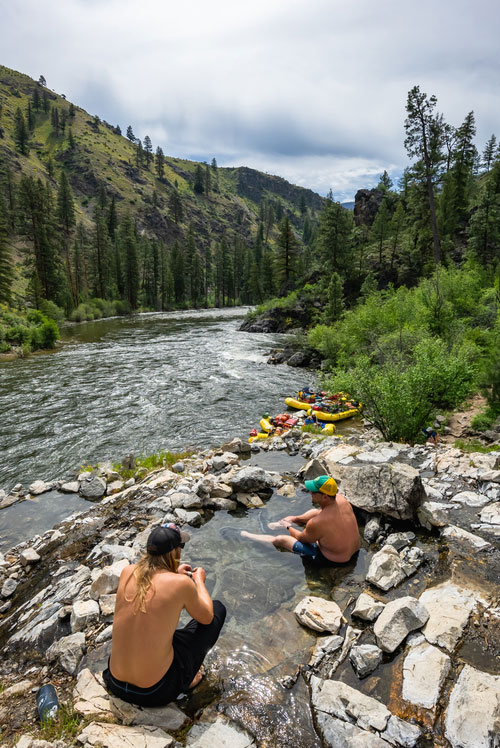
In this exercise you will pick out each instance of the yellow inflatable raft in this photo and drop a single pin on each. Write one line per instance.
(323, 416)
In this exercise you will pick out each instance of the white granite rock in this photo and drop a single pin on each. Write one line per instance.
(84, 613)
(424, 671)
(92, 700)
(401, 733)
(365, 658)
(29, 556)
(491, 514)
(433, 514)
(250, 500)
(220, 734)
(397, 620)
(105, 735)
(367, 607)
(473, 714)
(68, 651)
(340, 700)
(92, 488)
(319, 614)
(325, 645)
(470, 498)
(16, 689)
(70, 487)
(107, 604)
(40, 486)
(9, 587)
(449, 608)
(339, 734)
(108, 579)
(386, 569)
(462, 536)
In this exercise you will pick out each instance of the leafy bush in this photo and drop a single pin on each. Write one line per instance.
(52, 311)
(399, 396)
(18, 334)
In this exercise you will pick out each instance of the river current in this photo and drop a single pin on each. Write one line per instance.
(136, 384)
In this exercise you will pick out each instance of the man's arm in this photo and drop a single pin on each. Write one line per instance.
(302, 519)
(309, 534)
(198, 602)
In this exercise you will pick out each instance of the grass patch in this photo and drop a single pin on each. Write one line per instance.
(65, 725)
(151, 462)
(474, 446)
(484, 420)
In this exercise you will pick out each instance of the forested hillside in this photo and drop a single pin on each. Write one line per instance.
(93, 221)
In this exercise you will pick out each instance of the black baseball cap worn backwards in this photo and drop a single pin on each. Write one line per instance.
(165, 538)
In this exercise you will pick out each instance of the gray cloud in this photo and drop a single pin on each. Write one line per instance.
(313, 92)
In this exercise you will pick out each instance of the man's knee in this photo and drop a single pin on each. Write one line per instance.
(220, 612)
(280, 541)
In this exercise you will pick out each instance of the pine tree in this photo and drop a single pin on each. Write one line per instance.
(334, 235)
(396, 229)
(380, 227)
(45, 102)
(385, 182)
(101, 255)
(160, 164)
(489, 152)
(189, 253)
(71, 110)
(177, 267)
(6, 265)
(21, 135)
(424, 135)
(66, 215)
(36, 99)
(54, 118)
(484, 229)
(286, 254)
(335, 299)
(198, 181)
(112, 218)
(148, 150)
(175, 206)
(130, 134)
(30, 117)
(207, 179)
(62, 120)
(42, 81)
(139, 154)
(128, 243)
(465, 156)
(71, 140)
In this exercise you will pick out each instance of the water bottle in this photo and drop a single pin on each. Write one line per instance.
(47, 702)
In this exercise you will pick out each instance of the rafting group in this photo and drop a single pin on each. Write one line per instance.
(319, 409)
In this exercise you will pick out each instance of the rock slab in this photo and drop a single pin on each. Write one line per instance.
(473, 715)
(397, 620)
(319, 614)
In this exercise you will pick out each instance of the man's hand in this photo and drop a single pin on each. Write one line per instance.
(184, 569)
(289, 520)
(199, 575)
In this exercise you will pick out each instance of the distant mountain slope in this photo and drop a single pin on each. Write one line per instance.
(98, 157)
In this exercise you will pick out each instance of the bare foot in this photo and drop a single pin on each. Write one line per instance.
(197, 678)
(277, 525)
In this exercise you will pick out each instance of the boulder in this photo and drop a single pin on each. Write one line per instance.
(386, 568)
(219, 734)
(433, 514)
(470, 498)
(93, 488)
(449, 608)
(40, 486)
(68, 651)
(491, 514)
(188, 518)
(424, 670)
(400, 540)
(372, 529)
(107, 605)
(365, 658)
(397, 620)
(473, 714)
(252, 478)
(71, 487)
(339, 734)
(9, 587)
(226, 504)
(399, 732)
(395, 489)
(114, 487)
(105, 735)
(319, 614)
(29, 556)
(250, 500)
(467, 538)
(343, 702)
(367, 607)
(107, 580)
(236, 446)
(84, 613)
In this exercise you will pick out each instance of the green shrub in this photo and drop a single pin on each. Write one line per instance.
(50, 333)
(400, 395)
(35, 317)
(18, 334)
(52, 311)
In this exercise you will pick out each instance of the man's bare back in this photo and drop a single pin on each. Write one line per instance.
(335, 529)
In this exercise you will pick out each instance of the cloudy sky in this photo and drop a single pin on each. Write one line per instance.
(313, 91)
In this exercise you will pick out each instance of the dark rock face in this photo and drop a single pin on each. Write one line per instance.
(282, 320)
(366, 205)
(254, 184)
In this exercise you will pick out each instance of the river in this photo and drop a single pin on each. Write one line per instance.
(136, 384)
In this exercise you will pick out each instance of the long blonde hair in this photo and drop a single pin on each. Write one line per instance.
(143, 575)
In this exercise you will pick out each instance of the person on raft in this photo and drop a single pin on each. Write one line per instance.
(330, 535)
(151, 662)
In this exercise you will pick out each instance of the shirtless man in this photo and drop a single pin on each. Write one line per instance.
(151, 662)
(330, 534)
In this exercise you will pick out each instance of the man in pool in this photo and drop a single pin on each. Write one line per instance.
(151, 662)
(330, 534)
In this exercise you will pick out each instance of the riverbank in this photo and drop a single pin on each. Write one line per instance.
(428, 570)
